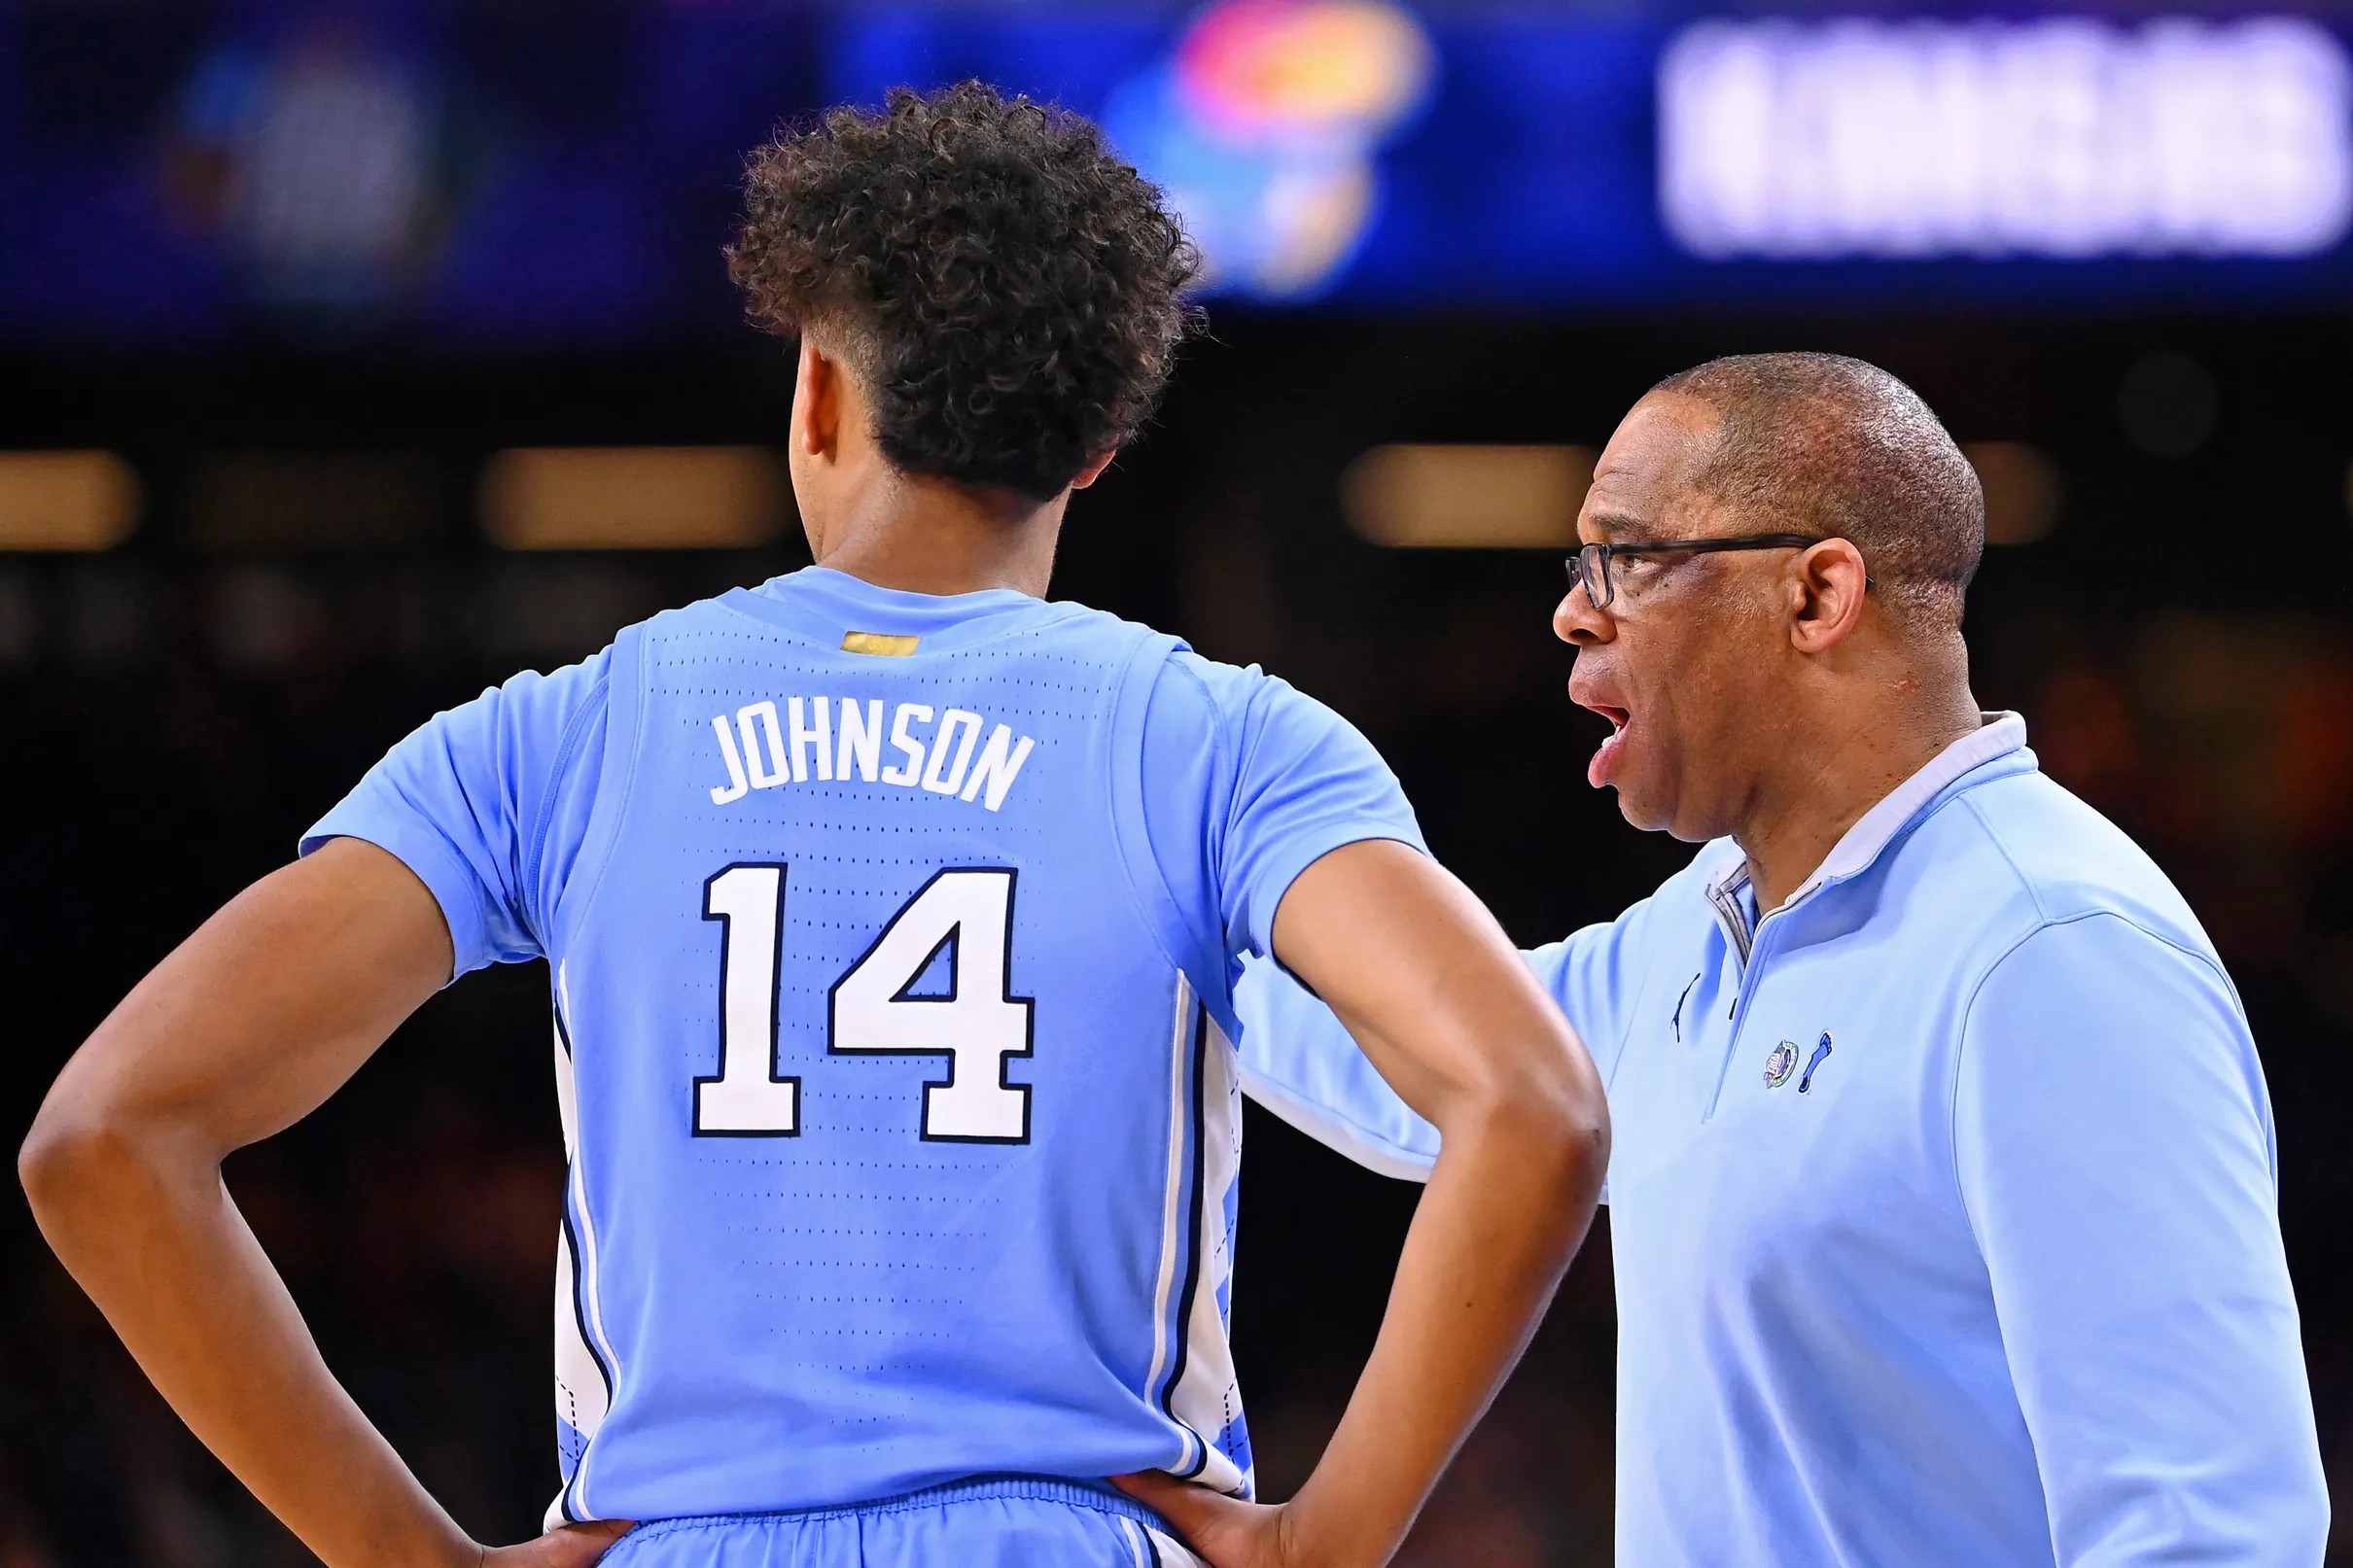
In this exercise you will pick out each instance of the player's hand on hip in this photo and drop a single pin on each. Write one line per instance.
(1225, 1531)
(567, 1546)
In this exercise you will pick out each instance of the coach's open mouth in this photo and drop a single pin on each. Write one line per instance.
(1598, 771)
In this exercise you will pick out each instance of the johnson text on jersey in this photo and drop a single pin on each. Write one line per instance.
(844, 739)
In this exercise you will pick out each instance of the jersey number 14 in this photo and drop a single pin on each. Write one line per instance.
(979, 1028)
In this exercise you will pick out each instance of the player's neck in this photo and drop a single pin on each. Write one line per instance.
(922, 535)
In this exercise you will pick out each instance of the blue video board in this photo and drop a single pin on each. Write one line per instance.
(460, 178)
(1351, 150)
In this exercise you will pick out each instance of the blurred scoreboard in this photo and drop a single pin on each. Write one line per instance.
(333, 172)
(1358, 152)
(2062, 138)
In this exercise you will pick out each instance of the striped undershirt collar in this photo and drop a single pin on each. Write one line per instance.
(1998, 735)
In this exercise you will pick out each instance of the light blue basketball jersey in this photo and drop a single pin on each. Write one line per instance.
(892, 940)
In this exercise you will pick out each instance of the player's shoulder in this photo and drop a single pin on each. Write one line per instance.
(1216, 693)
(1251, 721)
(721, 611)
(551, 700)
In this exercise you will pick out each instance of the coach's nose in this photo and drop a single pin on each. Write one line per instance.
(1575, 621)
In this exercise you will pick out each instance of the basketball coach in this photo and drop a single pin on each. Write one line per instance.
(1944, 1193)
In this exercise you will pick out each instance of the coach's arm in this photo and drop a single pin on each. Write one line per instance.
(1443, 1007)
(2113, 1148)
(245, 1029)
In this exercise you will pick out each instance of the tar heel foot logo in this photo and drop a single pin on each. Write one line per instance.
(1822, 1054)
(1779, 1065)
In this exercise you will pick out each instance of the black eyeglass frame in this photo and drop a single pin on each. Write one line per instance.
(1581, 575)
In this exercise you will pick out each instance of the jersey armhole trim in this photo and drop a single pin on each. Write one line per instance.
(534, 849)
(616, 783)
(616, 780)
(1140, 870)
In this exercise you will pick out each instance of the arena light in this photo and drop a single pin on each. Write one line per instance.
(634, 498)
(66, 501)
(1494, 498)
(2063, 137)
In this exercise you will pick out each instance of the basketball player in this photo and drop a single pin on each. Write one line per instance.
(891, 914)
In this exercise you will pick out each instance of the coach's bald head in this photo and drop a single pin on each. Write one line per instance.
(1820, 443)
(1778, 684)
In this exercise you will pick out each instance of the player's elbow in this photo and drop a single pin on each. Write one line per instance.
(64, 1156)
(1543, 1105)
(80, 1161)
(52, 1165)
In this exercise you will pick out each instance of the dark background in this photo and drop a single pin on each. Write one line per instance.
(175, 710)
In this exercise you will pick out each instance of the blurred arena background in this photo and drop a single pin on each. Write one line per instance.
(357, 353)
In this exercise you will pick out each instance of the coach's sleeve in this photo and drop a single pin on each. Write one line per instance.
(2113, 1143)
(486, 803)
(1300, 1062)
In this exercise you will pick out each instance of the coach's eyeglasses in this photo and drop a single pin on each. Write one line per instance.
(1588, 568)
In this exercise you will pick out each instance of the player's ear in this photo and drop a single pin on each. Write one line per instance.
(816, 400)
(1093, 471)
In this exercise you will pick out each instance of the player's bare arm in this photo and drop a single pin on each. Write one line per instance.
(244, 1029)
(1451, 1016)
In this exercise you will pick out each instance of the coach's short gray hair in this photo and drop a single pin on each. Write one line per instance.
(1820, 443)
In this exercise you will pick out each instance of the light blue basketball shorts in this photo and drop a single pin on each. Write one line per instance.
(1004, 1522)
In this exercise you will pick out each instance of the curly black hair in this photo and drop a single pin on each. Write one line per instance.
(1008, 291)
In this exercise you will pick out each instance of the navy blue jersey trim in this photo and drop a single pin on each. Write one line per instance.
(1199, 1155)
(580, 1315)
(579, 1287)
(580, 1274)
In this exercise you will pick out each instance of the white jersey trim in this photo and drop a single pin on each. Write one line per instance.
(586, 1370)
(1206, 1398)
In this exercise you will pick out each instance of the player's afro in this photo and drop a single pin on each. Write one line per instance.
(1008, 291)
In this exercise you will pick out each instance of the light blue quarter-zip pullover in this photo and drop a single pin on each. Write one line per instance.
(1942, 1200)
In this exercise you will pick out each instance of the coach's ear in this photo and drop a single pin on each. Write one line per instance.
(1093, 471)
(1827, 588)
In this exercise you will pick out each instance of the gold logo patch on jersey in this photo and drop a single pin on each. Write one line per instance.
(882, 645)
